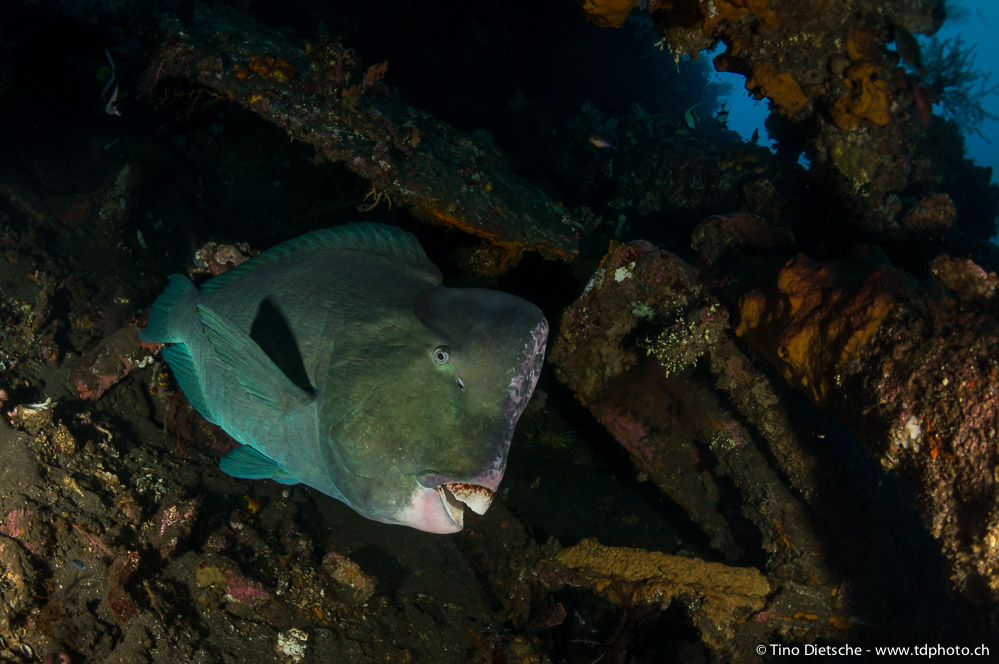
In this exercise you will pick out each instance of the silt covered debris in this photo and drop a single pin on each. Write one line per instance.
(320, 93)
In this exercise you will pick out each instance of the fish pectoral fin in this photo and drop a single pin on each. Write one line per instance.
(248, 463)
(254, 369)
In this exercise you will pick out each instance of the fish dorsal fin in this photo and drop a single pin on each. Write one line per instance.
(255, 371)
(388, 241)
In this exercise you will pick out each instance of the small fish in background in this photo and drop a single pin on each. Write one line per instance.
(722, 117)
(755, 138)
(908, 49)
(691, 117)
(111, 100)
(922, 98)
(340, 361)
(598, 141)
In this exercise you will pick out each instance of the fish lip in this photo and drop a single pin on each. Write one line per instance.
(455, 496)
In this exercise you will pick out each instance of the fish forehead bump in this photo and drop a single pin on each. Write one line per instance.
(523, 380)
(525, 377)
(507, 333)
(477, 313)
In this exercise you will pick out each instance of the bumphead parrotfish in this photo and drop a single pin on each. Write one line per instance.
(339, 361)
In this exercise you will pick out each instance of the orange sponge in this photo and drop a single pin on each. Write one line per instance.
(607, 13)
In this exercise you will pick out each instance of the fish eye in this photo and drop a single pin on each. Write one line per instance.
(441, 355)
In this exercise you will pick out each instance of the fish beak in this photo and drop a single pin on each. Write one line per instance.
(455, 495)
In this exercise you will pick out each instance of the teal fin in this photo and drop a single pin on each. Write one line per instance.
(248, 463)
(182, 364)
(254, 369)
(387, 241)
(157, 324)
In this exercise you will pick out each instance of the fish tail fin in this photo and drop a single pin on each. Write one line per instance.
(158, 322)
(177, 354)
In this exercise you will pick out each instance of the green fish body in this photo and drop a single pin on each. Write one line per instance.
(339, 361)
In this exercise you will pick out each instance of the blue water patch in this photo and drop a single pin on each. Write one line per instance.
(976, 23)
(746, 114)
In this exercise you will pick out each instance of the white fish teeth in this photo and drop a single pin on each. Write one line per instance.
(478, 498)
(453, 507)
